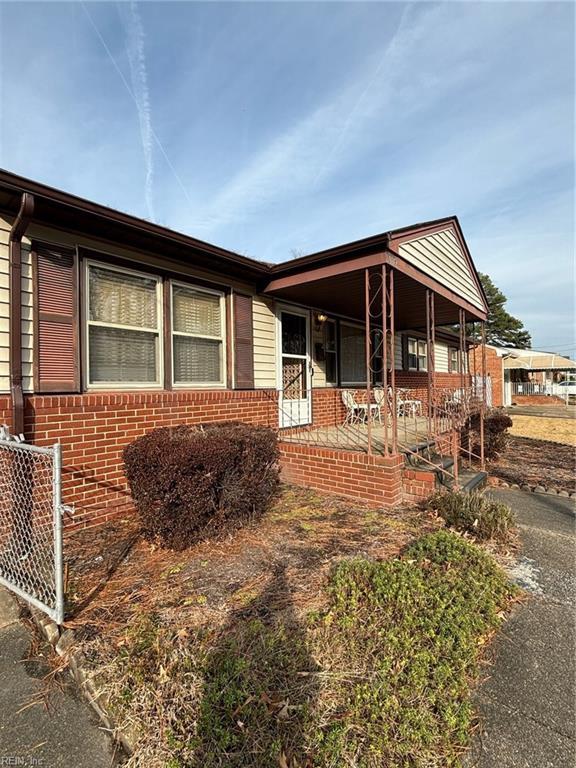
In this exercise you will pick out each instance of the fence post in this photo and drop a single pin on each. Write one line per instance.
(57, 510)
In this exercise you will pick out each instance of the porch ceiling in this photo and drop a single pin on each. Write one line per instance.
(344, 295)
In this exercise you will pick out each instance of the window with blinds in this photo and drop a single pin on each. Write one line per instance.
(352, 354)
(197, 336)
(124, 321)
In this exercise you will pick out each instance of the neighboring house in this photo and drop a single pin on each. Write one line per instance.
(112, 325)
(531, 376)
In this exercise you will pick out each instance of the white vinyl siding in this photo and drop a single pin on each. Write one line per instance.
(441, 357)
(264, 319)
(440, 256)
(27, 321)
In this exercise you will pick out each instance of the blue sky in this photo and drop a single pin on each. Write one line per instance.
(282, 128)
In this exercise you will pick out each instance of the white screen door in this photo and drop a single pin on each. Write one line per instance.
(294, 396)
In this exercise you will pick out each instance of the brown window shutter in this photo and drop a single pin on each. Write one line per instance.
(243, 342)
(56, 332)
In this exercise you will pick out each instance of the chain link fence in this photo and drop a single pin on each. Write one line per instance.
(31, 525)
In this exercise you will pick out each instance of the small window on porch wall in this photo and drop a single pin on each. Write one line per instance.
(454, 360)
(417, 354)
(352, 354)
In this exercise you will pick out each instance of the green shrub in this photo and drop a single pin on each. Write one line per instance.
(473, 513)
(402, 641)
(191, 482)
(496, 425)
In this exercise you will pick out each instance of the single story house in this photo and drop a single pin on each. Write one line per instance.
(533, 377)
(112, 325)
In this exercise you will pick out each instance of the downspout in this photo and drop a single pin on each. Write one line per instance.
(15, 256)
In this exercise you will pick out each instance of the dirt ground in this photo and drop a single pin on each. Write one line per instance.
(542, 428)
(537, 462)
(113, 574)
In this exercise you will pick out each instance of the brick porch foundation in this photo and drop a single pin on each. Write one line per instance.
(375, 479)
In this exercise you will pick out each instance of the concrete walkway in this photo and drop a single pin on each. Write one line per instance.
(527, 705)
(547, 411)
(66, 735)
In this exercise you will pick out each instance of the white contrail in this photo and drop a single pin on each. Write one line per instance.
(139, 77)
(134, 99)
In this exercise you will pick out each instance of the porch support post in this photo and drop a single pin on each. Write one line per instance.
(474, 366)
(430, 362)
(389, 286)
(462, 350)
(385, 355)
(368, 357)
(483, 399)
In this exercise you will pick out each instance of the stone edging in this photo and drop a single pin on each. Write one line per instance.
(496, 482)
(63, 643)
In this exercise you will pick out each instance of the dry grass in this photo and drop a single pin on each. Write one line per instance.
(113, 574)
(542, 428)
(536, 462)
(254, 651)
(137, 608)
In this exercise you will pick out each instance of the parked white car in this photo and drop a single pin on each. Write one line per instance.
(566, 388)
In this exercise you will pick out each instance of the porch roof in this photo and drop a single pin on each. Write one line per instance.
(431, 255)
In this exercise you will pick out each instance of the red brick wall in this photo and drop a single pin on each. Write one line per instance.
(94, 428)
(493, 370)
(417, 383)
(375, 479)
(327, 407)
(417, 485)
(545, 400)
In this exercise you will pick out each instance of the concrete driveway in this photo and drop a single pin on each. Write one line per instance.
(527, 705)
(65, 735)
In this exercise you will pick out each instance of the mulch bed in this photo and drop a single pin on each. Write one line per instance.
(114, 575)
(537, 462)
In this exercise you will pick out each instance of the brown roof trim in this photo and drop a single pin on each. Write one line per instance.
(373, 246)
(21, 184)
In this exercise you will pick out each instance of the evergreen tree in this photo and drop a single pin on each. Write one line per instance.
(502, 329)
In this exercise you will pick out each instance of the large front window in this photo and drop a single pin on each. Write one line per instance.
(197, 336)
(123, 335)
(352, 354)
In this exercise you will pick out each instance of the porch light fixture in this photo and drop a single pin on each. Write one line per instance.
(320, 319)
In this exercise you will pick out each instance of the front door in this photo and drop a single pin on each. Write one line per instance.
(294, 385)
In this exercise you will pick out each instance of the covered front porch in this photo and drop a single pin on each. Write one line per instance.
(391, 303)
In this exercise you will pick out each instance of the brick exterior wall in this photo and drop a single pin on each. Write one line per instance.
(417, 383)
(417, 485)
(494, 371)
(541, 400)
(374, 479)
(94, 428)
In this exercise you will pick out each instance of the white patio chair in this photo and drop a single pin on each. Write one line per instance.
(353, 414)
(407, 406)
(356, 413)
(381, 402)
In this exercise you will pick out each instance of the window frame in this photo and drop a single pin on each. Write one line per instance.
(453, 367)
(418, 341)
(223, 339)
(86, 322)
